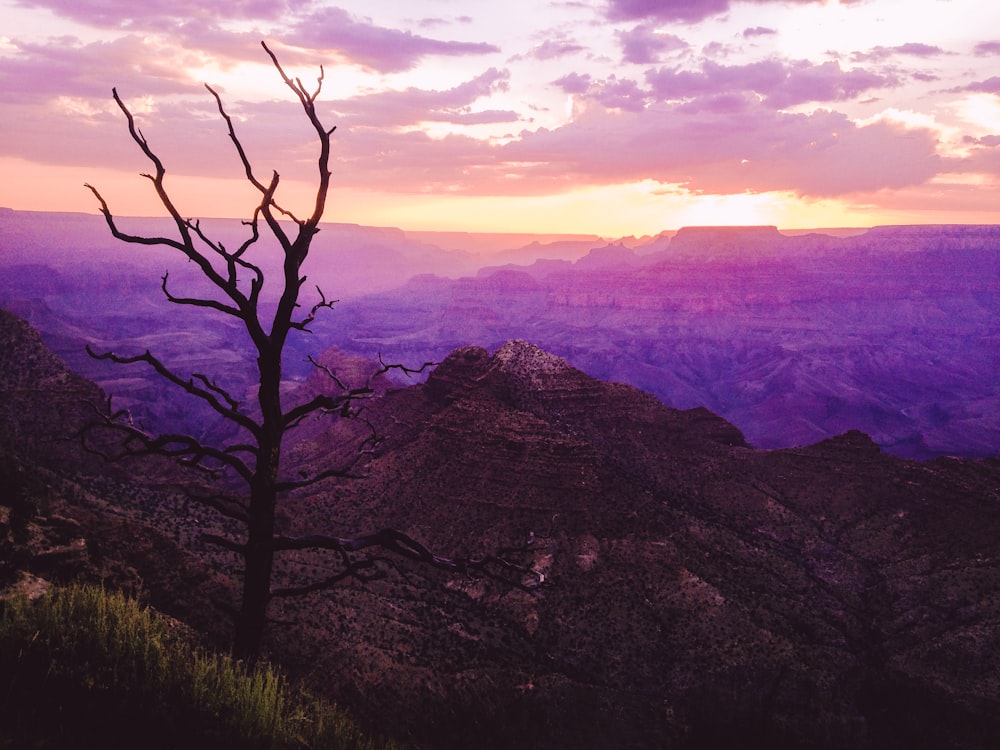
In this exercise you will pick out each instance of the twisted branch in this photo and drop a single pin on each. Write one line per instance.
(208, 394)
(186, 449)
(394, 541)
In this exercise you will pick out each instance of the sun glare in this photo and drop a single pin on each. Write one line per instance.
(982, 111)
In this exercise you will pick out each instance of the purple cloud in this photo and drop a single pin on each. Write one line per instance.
(987, 48)
(758, 31)
(66, 68)
(128, 14)
(684, 11)
(989, 86)
(644, 45)
(552, 48)
(781, 84)
(688, 11)
(990, 141)
(912, 49)
(388, 109)
(375, 47)
(985, 158)
(822, 154)
(574, 83)
(428, 23)
(611, 93)
(620, 93)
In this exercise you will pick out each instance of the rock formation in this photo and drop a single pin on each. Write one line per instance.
(697, 592)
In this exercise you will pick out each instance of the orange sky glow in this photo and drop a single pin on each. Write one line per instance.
(610, 117)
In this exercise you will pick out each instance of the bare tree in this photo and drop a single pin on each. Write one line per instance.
(240, 284)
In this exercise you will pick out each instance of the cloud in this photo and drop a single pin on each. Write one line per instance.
(149, 14)
(192, 24)
(429, 23)
(689, 11)
(683, 11)
(821, 154)
(552, 48)
(989, 86)
(990, 141)
(728, 142)
(984, 158)
(66, 67)
(737, 145)
(620, 93)
(644, 45)
(912, 49)
(574, 83)
(758, 31)
(389, 109)
(611, 93)
(378, 48)
(987, 48)
(781, 84)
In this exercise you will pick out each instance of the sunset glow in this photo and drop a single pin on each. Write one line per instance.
(612, 117)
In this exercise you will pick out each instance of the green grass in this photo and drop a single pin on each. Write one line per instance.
(83, 667)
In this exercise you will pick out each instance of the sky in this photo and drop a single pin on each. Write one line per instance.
(611, 117)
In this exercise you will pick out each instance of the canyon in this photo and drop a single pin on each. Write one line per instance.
(690, 591)
(703, 446)
(894, 331)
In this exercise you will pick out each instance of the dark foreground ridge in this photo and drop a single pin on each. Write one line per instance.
(697, 593)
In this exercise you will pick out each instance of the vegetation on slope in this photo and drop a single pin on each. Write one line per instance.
(83, 667)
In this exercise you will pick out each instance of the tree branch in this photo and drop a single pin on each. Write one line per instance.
(309, 106)
(185, 227)
(123, 236)
(303, 325)
(365, 570)
(187, 449)
(198, 302)
(226, 506)
(391, 540)
(208, 394)
(221, 541)
(267, 191)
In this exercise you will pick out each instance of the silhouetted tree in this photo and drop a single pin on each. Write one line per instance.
(241, 284)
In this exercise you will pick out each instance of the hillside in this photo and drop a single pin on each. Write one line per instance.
(793, 339)
(697, 593)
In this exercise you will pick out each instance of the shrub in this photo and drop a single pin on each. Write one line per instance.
(83, 667)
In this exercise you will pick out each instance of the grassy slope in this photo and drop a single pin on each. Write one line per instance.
(83, 667)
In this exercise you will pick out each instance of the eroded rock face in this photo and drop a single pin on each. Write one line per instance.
(41, 401)
(698, 593)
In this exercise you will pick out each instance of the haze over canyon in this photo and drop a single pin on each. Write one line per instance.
(894, 331)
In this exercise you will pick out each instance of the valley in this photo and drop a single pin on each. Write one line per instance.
(790, 576)
(793, 338)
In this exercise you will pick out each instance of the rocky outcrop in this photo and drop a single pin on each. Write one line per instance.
(67, 515)
(698, 593)
(41, 401)
(791, 338)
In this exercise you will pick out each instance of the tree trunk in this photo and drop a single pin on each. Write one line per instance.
(258, 559)
(259, 553)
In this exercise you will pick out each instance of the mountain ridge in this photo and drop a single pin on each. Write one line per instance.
(696, 592)
(893, 331)
(680, 562)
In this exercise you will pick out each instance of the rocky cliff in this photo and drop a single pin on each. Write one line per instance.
(696, 592)
(66, 514)
(793, 339)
